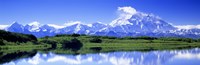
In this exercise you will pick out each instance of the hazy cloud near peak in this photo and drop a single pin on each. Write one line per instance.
(126, 12)
(188, 26)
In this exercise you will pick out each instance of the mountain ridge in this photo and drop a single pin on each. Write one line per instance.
(129, 23)
(101, 29)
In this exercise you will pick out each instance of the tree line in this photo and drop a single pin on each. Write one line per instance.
(16, 37)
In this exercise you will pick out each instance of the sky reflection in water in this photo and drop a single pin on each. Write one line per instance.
(175, 57)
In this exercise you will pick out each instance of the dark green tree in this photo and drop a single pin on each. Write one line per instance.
(47, 41)
(51, 42)
(54, 45)
(198, 40)
(188, 40)
(65, 44)
(1, 42)
(16, 37)
(75, 35)
(74, 44)
(95, 40)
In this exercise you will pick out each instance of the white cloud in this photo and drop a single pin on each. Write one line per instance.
(35, 60)
(126, 12)
(56, 26)
(188, 26)
(187, 56)
(77, 60)
(120, 61)
(3, 26)
(61, 58)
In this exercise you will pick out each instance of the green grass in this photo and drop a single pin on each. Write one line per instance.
(111, 47)
(107, 45)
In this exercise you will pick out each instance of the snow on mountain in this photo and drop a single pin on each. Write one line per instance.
(48, 28)
(149, 23)
(125, 13)
(188, 26)
(15, 27)
(56, 26)
(75, 27)
(35, 23)
(97, 26)
(134, 21)
(70, 23)
(33, 27)
(2, 27)
(129, 23)
(78, 27)
(104, 29)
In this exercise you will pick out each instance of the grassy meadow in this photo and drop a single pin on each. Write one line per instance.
(106, 44)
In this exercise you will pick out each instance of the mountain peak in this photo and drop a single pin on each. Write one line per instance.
(129, 16)
(15, 23)
(15, 27)
(129, 23)
(72, 23)
(124, 13)
(35, 23)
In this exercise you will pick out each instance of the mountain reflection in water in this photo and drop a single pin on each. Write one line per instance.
(172, 57)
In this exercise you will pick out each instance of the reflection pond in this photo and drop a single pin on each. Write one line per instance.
(164, 57)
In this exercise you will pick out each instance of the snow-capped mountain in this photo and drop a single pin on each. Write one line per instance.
(15, 27)
(129, 23)
(76, 27)
(140, 23)
(148, 29)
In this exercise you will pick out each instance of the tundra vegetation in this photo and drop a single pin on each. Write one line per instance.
(81, 43)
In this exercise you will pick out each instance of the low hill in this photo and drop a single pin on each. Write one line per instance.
(16, 37)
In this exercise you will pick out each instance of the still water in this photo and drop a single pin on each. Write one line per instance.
(167, 57)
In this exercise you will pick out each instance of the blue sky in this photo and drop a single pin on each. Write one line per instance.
(178, 12)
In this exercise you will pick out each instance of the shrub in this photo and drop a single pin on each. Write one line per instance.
(95, 40)
(35, 42)
(108, 37)
(128, 38)
(146, 38)
(46, 37)
(1, 42)
(75, 35)
(188, 40)
(74, 44)
(48, 41)
(53, 45)
(51, 42)
(65, 44)
(198, 40)
(96, 49)
(62, 35)
(83, 35)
